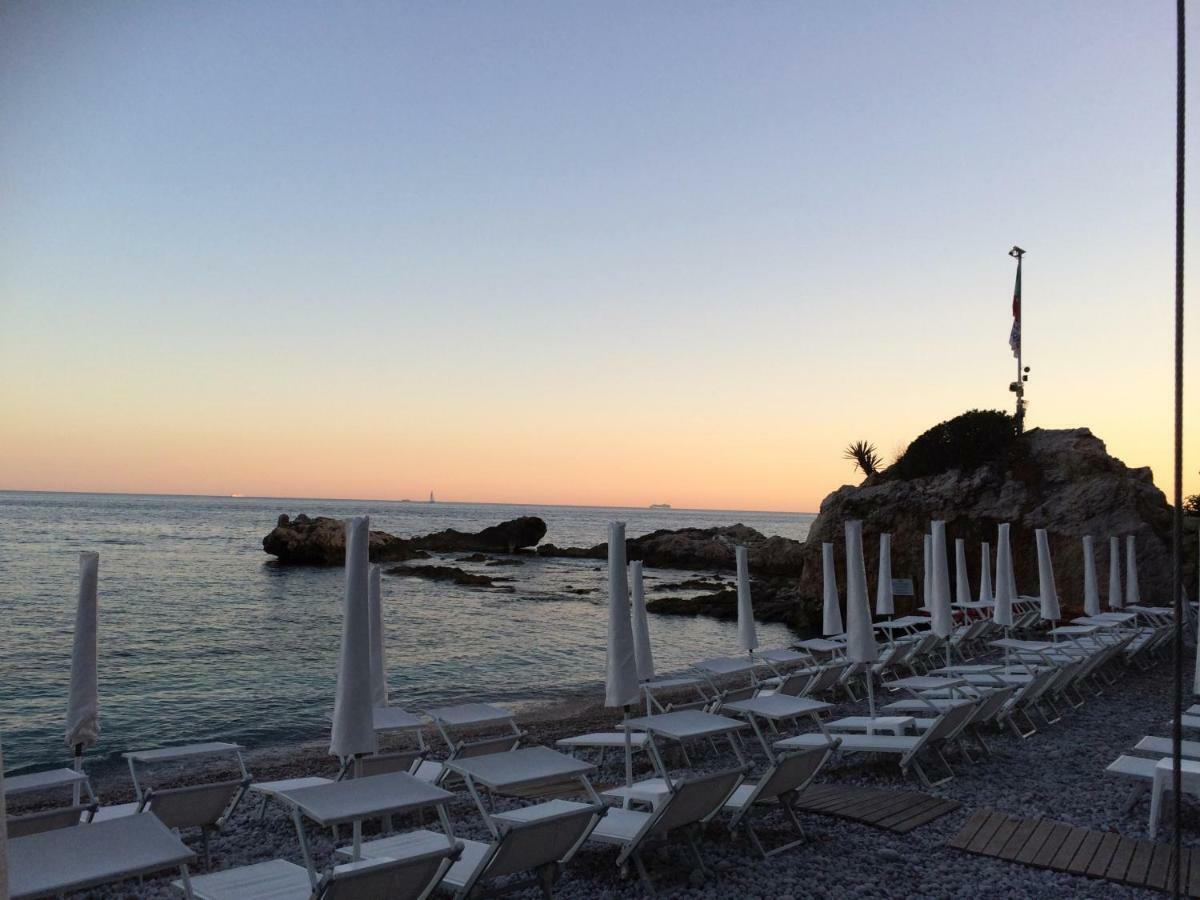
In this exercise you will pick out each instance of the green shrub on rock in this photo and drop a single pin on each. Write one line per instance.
(965, 442)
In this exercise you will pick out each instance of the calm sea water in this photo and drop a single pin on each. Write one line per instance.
(203, 637)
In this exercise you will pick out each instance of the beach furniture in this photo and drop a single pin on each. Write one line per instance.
(49, 819)
(688, 803)
(49, 782)
(470, 729)
(56, 862)
(203, 806)
(908, 747)
(412, 878)
(356, 799)
(812, 682)
(720, 673)
(788, 775)
(869, 725)
(772, 709)
(539, 838)
(1162, 746)
(1163, 776)
(602, 741)
(658, 692)
(781, 659)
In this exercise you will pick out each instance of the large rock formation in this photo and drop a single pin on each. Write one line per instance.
(322, 541)
(1061, 480)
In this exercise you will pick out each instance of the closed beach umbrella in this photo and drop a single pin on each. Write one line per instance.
(962, 581)
(943, 617)
(641, 625)
(3, 832)
(985, 574)
(927, 573)
(885, 604)
(1006, 591)
(831, 611)
(353, 731)
(1132, 595)
(1046, 589)
(83, 702)
(860, 636)
(1114, 573)
(747, 635)
(1195, 679)
(1091, 589)
(379, 688)
(621, 675)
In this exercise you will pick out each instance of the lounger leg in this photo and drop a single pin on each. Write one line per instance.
(695, 847)
(186, 878)
(262, 810)
(643, 874)
(1139, 791)
(547, 877)
(204, 846)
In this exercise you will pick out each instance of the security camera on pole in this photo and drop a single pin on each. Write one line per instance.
(1014, 341)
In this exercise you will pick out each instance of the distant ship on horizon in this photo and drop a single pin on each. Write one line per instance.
(431, 500)
(660, 505)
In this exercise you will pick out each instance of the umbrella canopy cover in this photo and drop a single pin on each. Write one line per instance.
(83, 702)
(962, 580)
(1006, 591)
(1114, 573)
(747, 635)
(621, 676)
(985, 574)
(831, 610)
(927, 573)
(943, 617)
(860, 636)
(353, 732)
(1046, 588)
(1133, 596)
(641, 625)
(379, 688)
(1091, 588)
(885, 603)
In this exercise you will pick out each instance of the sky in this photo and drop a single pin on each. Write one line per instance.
(595, 253)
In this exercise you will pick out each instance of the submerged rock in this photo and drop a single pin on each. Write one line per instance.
(507, 537)
(446, 573)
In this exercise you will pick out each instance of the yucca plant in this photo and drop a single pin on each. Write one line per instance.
(865, 457)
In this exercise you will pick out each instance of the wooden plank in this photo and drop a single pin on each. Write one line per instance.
(1104, 854)
(1193, 870)
(1120, 859)
(878, 805)
(1139, 863)
(985, 833)
(1036, 841)
(832, 800)
(897, 808)
(1054, 839)
(1083, 856)
(1160, 864)
(945, 807)
(1018, 840)
(899, 819)
(1000, 838)
(814, 793)
(967, 832)
(1070, 846)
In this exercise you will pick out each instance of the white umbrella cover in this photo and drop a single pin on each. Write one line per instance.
(1195, 675)
(985, 574)
(885, 604)
(621, 676)
(1046, 589)
(1091, 589)
(83, 701)
(927, 573)
(831, 610)
(1114, 573)
(860, 636)
(3, 831)
(353, 732)
(379, 686)
(641, 625)
(962, 581)
(943, 617)
(747, 635)
(1133, 596)
(1006, 591)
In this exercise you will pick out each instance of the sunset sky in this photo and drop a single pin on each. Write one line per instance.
(607, 253)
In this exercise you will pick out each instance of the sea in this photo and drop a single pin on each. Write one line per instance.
(204, 637)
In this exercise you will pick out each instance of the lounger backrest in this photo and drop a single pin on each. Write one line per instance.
(195, 806)
(386, 763)
(991, 704)
(949, 723)
(487, 746)
(526, 845)
(695, 799)
(797, 684)
(826, 679)
(388, 879)
(792, 771)
(736, 694)
(46, 820)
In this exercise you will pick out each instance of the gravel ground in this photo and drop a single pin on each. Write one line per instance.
(1058, 773)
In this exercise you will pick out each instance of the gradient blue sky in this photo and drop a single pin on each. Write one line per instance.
(595, 253)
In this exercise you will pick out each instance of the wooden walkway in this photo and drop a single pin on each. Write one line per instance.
(899, 811)
(1047, 844)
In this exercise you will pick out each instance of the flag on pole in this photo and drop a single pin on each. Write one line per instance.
(1014, 336)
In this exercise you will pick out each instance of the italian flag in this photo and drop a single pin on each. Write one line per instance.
(1014, 336)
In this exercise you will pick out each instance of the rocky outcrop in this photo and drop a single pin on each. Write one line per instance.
(1061, 480)
(447, 573)
(775, 600)
(321, 541)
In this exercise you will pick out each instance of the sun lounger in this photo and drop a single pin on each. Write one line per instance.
(1162, 747)
(411, 878)
(788, 775)
(908, 748)
(692, 801)
(203, 806)
(461, 728)
(49, 819)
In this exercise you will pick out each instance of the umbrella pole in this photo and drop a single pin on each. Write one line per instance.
(870, 695)
(78, 768)
(628, 749)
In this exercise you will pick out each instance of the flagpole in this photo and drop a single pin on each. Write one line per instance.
(1018, 386)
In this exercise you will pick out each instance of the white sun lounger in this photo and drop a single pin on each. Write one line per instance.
(203, 806)
(789, 774)
(1162, 747)
(411, 878)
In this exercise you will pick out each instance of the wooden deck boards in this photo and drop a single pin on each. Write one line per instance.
(898, 811)
(1047, 844)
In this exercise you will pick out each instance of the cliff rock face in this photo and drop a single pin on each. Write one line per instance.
(1061, 480)
(322, 541)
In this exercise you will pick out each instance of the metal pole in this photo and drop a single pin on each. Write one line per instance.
(1177, 517)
